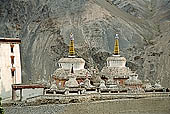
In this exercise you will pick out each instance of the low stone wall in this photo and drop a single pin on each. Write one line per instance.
(65, 99)
(160, 105)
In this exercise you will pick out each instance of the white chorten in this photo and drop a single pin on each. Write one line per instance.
(116, 64)
(65, 64)
(102, 84)
(116, 60)
(115, 68)
(133, 81)
(72, 82)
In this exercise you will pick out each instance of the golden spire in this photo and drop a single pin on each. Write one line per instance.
(71, 47)
(116, 46)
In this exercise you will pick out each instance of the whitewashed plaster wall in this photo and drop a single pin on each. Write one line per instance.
(76, 66)
(116, 63)
(6, 79)
(28, 93)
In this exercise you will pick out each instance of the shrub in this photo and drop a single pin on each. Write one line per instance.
(1, 109)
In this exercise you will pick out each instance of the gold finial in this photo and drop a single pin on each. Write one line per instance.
(71, 47)
(116, 46)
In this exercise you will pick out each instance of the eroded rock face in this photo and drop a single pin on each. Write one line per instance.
(44, 27)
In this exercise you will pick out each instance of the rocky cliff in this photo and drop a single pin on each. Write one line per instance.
(44, 27)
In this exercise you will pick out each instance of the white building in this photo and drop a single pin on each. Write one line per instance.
(10, 66)
(65, 65)
(116, 68)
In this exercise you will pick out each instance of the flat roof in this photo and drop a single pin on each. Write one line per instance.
(10, 40)
(27, 86)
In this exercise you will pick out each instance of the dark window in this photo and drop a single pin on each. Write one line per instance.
(12, 50)
(12, 60)
(13, 73)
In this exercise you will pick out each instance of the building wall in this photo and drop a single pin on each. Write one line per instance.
(6, 78)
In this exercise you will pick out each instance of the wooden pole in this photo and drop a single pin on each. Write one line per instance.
(20, 94)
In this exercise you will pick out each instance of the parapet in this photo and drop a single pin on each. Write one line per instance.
(10, 40)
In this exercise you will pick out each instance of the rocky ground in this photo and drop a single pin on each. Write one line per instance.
(44, 27)
(125, 106)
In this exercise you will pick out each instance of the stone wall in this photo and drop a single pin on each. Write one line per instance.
(137, 106)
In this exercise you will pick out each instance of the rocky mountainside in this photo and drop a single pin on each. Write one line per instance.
(44, 27)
